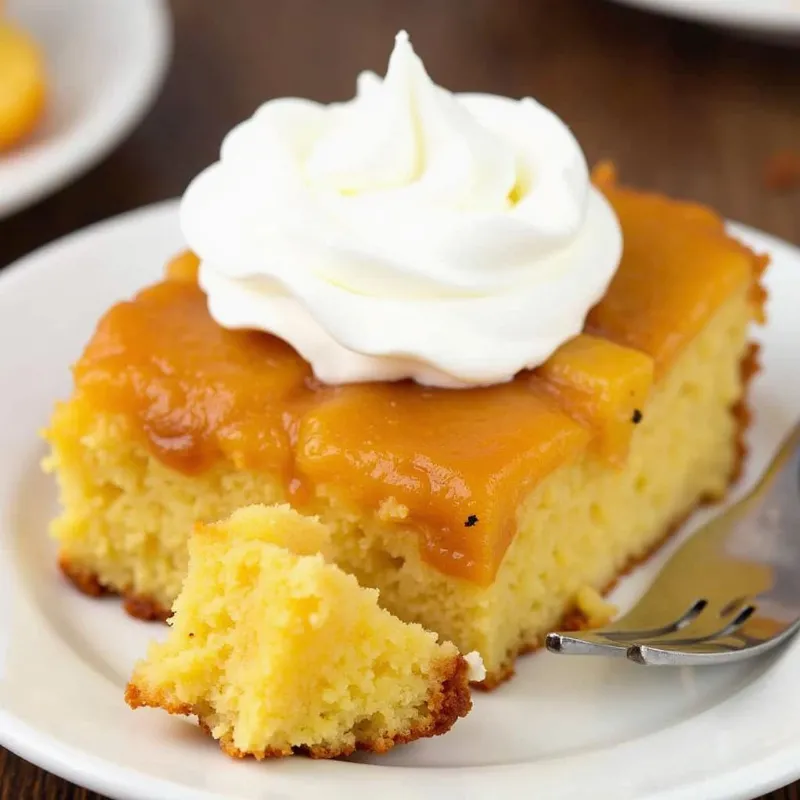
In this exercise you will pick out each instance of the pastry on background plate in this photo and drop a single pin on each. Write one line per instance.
(498, 382)
(23, 87)
(278, 652)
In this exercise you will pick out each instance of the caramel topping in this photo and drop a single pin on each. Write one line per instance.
(448, 456)
(457, 462)
(678, 266)
(196, 391)
(184, 267)
(603, 386)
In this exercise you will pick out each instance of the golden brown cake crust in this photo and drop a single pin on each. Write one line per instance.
(88, 583)
(449, 700)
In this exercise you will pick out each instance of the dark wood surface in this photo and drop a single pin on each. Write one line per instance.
(679, 108)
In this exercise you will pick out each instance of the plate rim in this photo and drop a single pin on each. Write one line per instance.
(99, 774)
(734, 16)
(85, 152)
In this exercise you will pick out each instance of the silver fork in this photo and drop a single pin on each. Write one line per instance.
(731, 592)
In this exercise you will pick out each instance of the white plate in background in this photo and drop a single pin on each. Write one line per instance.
(105, 61)
(779, 19)
(562, 729)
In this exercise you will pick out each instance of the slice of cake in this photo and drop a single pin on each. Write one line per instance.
(278, 652)
(414, 315)
(481, 514)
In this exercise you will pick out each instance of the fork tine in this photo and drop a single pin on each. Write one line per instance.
(585, 644)
(735, 647)
(648, 656)
(701, 634)
(615, 641)
(619, 633)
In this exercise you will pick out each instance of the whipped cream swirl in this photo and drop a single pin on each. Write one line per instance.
(454, 239)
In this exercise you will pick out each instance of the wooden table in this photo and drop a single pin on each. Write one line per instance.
(679, 108)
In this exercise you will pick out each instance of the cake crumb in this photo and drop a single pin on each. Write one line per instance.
(594, 607)
(392, 511)
(477, 670)
(782, 171)
(471, 520)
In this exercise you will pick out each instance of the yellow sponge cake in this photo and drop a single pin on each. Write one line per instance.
(483, 514)
(278, 652)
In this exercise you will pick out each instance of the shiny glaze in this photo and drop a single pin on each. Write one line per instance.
(458, 460)
(678, 266)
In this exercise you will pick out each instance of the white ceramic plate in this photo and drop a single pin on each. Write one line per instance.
(773, 18)
(563, 728)
(105, 62)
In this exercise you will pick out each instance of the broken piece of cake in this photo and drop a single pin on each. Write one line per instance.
(279, 652)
